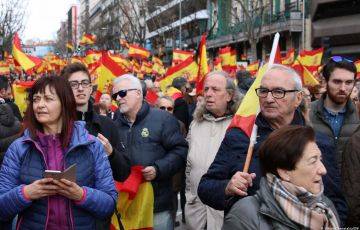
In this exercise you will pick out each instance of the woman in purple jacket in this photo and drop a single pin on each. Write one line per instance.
(54, 141)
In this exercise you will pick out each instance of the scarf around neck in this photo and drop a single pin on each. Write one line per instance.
(301, 206)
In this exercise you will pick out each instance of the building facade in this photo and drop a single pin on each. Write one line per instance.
(336, 26)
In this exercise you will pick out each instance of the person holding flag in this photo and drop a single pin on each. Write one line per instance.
(279, 96)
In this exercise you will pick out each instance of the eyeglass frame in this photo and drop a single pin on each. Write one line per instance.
(284, 91)
(78, 83)
(123, 91)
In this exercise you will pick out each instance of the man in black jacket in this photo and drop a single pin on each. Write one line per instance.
(154, 141)
(100, 126)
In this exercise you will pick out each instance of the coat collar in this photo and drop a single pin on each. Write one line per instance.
(143, 112)
(319, 108)
(262, 123)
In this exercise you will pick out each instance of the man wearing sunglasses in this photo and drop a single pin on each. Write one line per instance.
(154, 141)
(101, 127)
(280, 94)
(334, 113)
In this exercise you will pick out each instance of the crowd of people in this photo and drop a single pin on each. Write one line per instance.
(304, 172)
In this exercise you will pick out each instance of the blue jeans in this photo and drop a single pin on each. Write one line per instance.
(163, 221)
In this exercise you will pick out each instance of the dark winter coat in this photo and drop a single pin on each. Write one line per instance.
(154, 139)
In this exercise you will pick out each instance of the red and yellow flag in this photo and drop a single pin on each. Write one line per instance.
(135, 203)
(87, 39)
(246, 114)
(217, 64)
(228, 59)
(122, 61)
(136, 51)
(253, 68)
(357, 64)
(311, 59)
(307, 77)
(203, 65)
(289, 58)
(4, 68)
(146, 67)
(107, 71)
(174, 93)
(188, 69)
(26, 62)
(20, 94)
(180, 56)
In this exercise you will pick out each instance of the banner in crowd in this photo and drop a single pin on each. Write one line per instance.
(135, 204)
(20, 94)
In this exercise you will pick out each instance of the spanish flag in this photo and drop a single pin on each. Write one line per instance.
(188, 69)
(307, 77)
(138, 52)
(146, 67)
(311, 59)
(107, 71)
(122, 61)
(20, 94)
(87, 39)
(135, 206)
(70, 46)
(77, 59)
(357, 64)
(228, 59)
(174, 93)
(180, 56)
(253, 68)
(203, 65)
(217, 64)
(4, 68)
(27, 62)
(289, 58)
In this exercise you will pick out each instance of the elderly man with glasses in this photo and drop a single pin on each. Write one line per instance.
(154, 141)
(279, 96)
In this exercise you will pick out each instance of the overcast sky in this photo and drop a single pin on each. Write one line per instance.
(44, 17)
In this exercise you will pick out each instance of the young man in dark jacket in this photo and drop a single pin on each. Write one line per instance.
(5, 88)
(154, 141)
(279, 96)
(101, 127)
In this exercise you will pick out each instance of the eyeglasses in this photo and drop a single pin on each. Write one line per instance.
(122, 93)
(169, 109)
(340, 59)
(83, 83)
(276, 93)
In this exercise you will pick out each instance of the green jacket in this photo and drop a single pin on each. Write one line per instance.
(350, 124)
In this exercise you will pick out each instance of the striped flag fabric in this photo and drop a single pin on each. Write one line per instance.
(135, 203)
(139, 52)
(357, 64)
(311, 59)
(27, 62)
(107, 71)
(174, 93)
(70, 46)
(289, 58)
(306, 75)
(4, 68)
(180, 56)
(188, 68)
(217, 64)
(253, 68)
(203, 65)
(20, 94)
(228, 59)
(87, 39)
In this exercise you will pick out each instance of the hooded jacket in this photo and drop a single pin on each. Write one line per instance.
(24, 163)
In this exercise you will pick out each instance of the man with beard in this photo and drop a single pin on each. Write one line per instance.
(334, 113)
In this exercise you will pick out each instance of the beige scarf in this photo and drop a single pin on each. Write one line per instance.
(301, 206)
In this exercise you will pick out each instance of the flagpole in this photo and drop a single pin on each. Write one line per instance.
(255, 128)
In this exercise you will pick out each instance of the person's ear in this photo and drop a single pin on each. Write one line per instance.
(284, 174)
(298, 98)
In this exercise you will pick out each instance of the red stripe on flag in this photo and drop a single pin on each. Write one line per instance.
(244, 123)
(112, 65)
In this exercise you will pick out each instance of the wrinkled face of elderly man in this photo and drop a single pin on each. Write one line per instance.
(215, 95)
(279, 96)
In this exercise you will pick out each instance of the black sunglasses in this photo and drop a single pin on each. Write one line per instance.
(340, 59)
(121, 93)
(169, 109)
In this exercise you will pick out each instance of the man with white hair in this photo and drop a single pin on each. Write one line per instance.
(207, 130)
(153, 140)
(279, 97)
